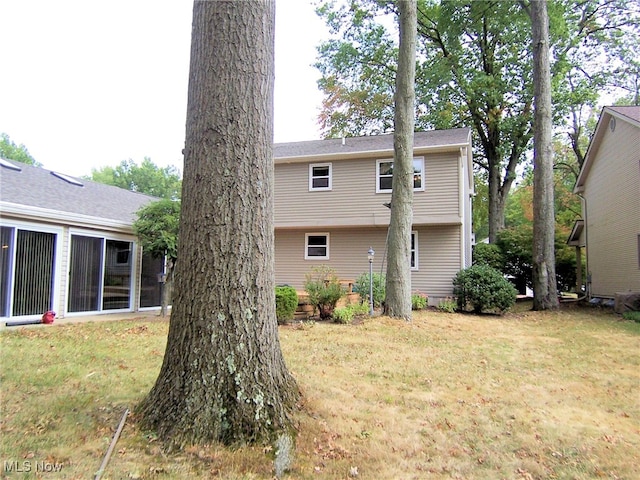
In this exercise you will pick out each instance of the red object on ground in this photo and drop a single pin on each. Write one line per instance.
(48, 317)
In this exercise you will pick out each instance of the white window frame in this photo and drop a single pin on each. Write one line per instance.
(419, 161)
(312, 177)
(414, 250)
(306, 246)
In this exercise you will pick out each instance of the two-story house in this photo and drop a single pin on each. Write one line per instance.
(331, 206)
(609, 184)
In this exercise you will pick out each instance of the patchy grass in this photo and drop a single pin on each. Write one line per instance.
(530, 395)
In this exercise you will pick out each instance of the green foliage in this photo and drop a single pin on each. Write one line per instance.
(483, 289)
(361, 286)
(419, 301)
(516, 245)
(286, 303)
(145, 178)
(347, 313)
(157, 228)
(448, 305)
(18, 153)
(487, 254)
(324, 290)
(635, 316)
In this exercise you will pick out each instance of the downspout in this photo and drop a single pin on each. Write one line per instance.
(587, 273)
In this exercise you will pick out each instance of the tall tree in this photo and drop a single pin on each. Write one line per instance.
(545, 294)
(223, 377)
(18, 153)
(398, 278)
(473, 69)
(148, 178)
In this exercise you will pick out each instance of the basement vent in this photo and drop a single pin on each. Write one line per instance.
(67, 179)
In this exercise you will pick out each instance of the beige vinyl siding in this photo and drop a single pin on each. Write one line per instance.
(439, 261)
(438, 256)
(612, 192)
(353, 200)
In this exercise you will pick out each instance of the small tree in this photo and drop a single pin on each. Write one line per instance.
(324, 290)
(157, 229)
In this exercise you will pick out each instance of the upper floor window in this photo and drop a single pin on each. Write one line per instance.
(316, 246)
(319, 176)
(384, 174)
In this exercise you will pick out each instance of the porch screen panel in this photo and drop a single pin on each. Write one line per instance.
(85, 273)
(117, 275)
(149, 286)
(33, 282)
(6, 257)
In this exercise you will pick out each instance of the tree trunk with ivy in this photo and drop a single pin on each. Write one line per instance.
(223, 377)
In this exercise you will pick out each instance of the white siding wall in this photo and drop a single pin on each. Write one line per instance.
(612, 191)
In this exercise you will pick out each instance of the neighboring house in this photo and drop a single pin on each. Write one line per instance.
(68, 246)
(330, 207)
(609, 183)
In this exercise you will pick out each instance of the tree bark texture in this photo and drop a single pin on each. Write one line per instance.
(545, 294)
(224, 377)
(398, 279)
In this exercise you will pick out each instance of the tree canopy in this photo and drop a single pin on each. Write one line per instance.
(18, 153)
(474, 69)
(148, 178)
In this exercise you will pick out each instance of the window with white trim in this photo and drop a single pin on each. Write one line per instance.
(414, 250)
(316, 246)
(384, 175)
(319, 176)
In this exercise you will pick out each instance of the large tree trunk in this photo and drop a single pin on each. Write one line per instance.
(398, 279)
(223, 377)
(545, 295)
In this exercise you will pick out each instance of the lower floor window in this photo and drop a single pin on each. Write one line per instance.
(414, 250)
(316, 246)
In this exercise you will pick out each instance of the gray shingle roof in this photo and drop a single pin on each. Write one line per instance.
(38, 187)
(631, 111)
(372, 143)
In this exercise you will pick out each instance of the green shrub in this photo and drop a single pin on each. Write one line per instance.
(348, 313)
(632, 315)
(488, 254)
(286, 303)
(324, 289)
(483, 288)
(447, 305)
(362, 287)
(419, 301)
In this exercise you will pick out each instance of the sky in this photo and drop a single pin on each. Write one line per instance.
(86, 84)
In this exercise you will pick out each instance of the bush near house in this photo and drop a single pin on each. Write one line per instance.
(419, 301)
(286, 303)
(346, 314)
(324, 290)
(379, 284)
(483, 289)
